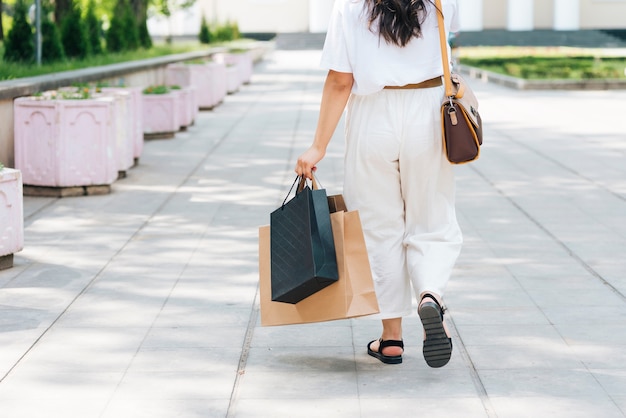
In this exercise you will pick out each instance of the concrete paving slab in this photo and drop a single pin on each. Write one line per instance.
(301, 407)
(144, 302)
(540, 355)
(452, 407)
(553, 406)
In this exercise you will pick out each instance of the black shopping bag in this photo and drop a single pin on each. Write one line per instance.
(302, 248)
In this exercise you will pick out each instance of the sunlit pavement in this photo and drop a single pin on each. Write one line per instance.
(143, 302)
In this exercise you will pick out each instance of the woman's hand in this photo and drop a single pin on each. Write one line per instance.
(307, 162)
(336, 92)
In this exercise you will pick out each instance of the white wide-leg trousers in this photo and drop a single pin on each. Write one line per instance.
(398, 178)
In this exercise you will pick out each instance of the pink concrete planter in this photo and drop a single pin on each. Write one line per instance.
(161, 114)
(242, 60)
(193, 97)
(136, 116)
(219, 78)
(11, 216)
(187, 105)
(123, 129)
(233, 79)
(208, 78)
(65, 143)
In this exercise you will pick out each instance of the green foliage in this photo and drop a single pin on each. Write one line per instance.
(123, 34)
(145, 41)
(93, 27)
(205, 34)
(228, 31)
(19, 45)
(235, 30)
(115, 35)
(12, 70)
(131, 29)
(74, 34)
(5, 22)
(554, 67)
(168, 7)
(51, 45)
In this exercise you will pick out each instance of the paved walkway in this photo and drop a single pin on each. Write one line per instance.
(142, 303)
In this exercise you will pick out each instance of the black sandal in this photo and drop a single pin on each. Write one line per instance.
(384, 344)
(437, 345)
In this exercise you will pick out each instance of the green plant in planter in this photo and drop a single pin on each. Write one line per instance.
(175, 87)
(156, 90)
(198, 61)
(79, 93)
(67, 93)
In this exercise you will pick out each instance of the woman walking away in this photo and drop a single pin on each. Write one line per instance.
(384, 63)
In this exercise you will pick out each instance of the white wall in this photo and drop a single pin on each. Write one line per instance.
(251, 16)
(319, 15)
(471, 15)
(275, 16)
(567, 14)
(520, 15)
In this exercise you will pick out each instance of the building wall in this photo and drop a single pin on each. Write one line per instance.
(494, 12)
(590, 14)
(544, 14)
(603, 14)
(279, 16)
(252, 16)
(261, 15)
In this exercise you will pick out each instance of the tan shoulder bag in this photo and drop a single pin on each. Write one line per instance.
(461, 122)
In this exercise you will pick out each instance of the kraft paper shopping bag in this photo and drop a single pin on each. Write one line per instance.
(351, 296)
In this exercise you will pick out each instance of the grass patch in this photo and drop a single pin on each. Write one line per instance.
(549, 63)
(9, 70)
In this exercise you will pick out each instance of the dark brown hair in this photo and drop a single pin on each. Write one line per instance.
(398, 21)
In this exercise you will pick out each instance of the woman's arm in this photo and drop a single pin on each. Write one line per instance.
(335, 96)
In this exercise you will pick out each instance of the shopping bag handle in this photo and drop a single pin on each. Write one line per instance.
(301, 180)
(314, 183)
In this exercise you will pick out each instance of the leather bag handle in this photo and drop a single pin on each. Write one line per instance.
(447, 78)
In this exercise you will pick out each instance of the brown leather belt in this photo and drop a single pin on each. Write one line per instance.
(433, 82)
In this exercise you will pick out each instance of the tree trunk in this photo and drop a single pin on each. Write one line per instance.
(140, 8)
(61, 9)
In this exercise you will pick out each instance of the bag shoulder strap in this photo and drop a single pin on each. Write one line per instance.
(447, 79)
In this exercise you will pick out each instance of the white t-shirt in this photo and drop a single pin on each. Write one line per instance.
(351, 47)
